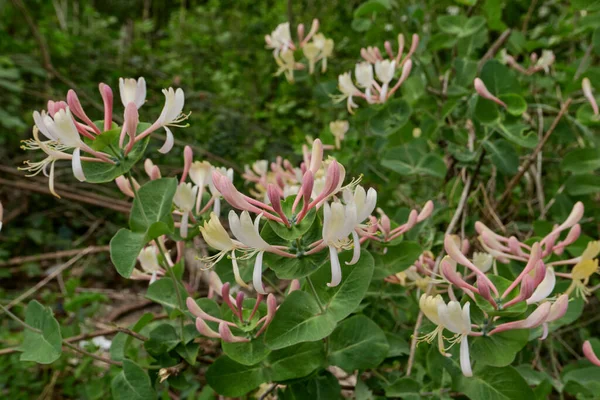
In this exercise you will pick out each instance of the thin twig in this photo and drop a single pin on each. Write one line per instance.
(494, 48)
(53, 255)
(94, 356)
(47, 279)
(523, 169)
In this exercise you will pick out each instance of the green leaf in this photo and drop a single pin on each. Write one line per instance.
(391, 118)
(370, 7)
(413, 158)
(361, 24)
(322, 387)
(232, 379)
(163, 292)
(298, 319)
(163, 339)
(295, 268)
(596, 40)
(295, 361)
(459, 25)
(498, 78)
(132, 383)
(492, 383)
(585, 115)
(503, 156)
(189, 352)
(581, 185)
(486, 111)
(357, 343)
(498, 350)
(247, 353)
(153, 204)
(396, 259)
(345, 298)
(99, 172)
(515, 104)
(501, 284)
(515, 133)
(125, 247)
(44, 347)
(403, 387)
(580, 161)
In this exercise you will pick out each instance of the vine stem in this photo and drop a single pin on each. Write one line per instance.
(314, 292)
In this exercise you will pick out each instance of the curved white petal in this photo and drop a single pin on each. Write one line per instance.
(140, 93)
(77, 167)
(544, 288)
(465, 362)
(236, 272)
(356, 252)
(168, 142)
(257, 274)
(336, 269)
(183, 229)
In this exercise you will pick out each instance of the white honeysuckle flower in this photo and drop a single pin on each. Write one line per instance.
(339, 129)
(261, 167)
(247, 232)
(62, 128)
(171, 115)
(346, 86)
(546, 60)
(385, 70)
(280, 38)
(338, 222)
(544, 289)
(287, 64)
(132, 91)
(148, 260)
(76, 165)
(363, 72)
(483, 261)
(385, 73)
(200, 175)
(185, 199)
(429, 306)
(458, 321)
(364, 201)
(311, 52)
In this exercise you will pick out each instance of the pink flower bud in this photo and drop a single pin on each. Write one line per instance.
(388, 49)
(275, 199)
(588, 352)
(448, 269)
(465, 246)
(188, 157)
(204, 329)
(229, 337)
(124, 186)
(426, 211)
(271, 309)
(300, 30)
(535, 319)
(558, 308)
(107, 98)
(239, 302)
(294, 285)
(77, 110)
(259, 299)
(484, 291)
(514, 246)
(132, 119)
(485, 93)
(573, 218)
(572, 236)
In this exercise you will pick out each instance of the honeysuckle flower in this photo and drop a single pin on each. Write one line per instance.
(247, 232)
(287, 65)
(124, 186)
(338, 222)
(346, 86)
(151, 268)
(364, 76)
(586, 86)
(580, 275)
(483, 91)
(429, 306)
(311, 52)
(544, 289)
(458, 321)
(535, 319)
(483, 261)
(545, 61)
(185, 199)
(339, 129)
(132, 91)
(385, 73)
(588, 352)
(280, 39)
(200, 174)
(325, 46)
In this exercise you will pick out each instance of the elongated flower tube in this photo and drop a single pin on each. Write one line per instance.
(588, 352)
(107, 99)
(77, 109)
(228, 336)
(483, 91)
(448, 269)
(454, 252)
(535, 319)
(200, 174)
(132, 91)
(149, 264)
(458, 320)
(184, 199)
(338, 223)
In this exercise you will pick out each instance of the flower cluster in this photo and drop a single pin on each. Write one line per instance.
(536, 64)
(315, 185)
(67, 130)
(315, 47)
(247, 323)
(498, 297)
(376, 88)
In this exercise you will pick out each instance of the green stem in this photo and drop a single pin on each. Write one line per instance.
(19, 320)
(314, 292)
(177, 291)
